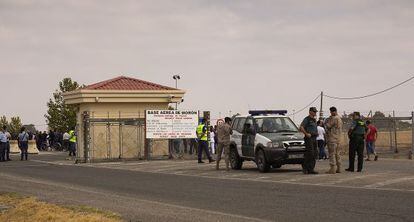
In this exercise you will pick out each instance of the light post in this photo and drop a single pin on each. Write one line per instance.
(176, 78)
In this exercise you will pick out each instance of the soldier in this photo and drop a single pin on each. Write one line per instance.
(309, 128)
(223, 134)
(357, 134)
(334, 126)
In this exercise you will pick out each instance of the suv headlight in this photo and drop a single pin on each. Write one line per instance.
(273, 145)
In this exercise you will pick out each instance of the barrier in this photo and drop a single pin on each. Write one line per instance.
(14, 148)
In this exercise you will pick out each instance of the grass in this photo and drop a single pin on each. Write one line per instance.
(21, 209)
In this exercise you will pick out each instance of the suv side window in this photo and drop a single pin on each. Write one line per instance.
(248, 124)
(235, 122)
(240, 125)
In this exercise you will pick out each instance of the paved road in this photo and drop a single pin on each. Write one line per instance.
(185, 191)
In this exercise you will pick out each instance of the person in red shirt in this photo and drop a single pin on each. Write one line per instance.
(372, 135)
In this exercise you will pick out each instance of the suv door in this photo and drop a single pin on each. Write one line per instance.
(248, 138)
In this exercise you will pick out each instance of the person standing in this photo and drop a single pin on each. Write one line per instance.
(202, 135)
(223, 134)
(321, 140)
(371, 138)
(72, 143)
(3, 144)
(23, 141)
(212, 140)
(357, 134)
(65, 141)
(333, 138)
(310, 130)
(7, 150)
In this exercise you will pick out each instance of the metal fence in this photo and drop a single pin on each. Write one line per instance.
(118, 136)
(395, 134)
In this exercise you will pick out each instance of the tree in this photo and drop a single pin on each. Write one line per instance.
(3, 122)
(378, 114)
(60, 116)
(14, 126)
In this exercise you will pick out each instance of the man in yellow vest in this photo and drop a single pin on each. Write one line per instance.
(202, 135)
(72, 143)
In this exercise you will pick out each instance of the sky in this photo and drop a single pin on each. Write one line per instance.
(232, 55)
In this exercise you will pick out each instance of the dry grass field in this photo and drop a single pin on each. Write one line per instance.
(15, 208)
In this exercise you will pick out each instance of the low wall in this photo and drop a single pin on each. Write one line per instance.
(14, 148)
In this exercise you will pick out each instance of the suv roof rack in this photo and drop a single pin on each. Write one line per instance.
(267, 112)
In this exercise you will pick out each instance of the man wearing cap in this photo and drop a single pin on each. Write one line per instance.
(309, 128)
(357, 134)
(333, 131)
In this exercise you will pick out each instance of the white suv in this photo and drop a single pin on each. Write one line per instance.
(268, 138)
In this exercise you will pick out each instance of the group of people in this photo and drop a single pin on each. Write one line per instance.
(22, 141)
(57, 140)
(320, 133)
(220, 135)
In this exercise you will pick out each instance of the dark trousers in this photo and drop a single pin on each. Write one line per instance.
(203, 145)
(65, 144)
(72, 149)
(356, 146)
(311, 154)
(3, 151)
(321, 146)
(7, 151)
(24, 146)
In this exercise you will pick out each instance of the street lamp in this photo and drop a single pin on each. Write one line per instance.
(176, 78)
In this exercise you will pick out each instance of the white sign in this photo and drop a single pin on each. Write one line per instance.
(171, 124)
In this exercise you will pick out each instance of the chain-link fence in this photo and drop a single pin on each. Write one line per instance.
(118, 136)
(395, 134)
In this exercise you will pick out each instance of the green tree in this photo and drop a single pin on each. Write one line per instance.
(3, 122)
(60, 116)
(14, 126)
(378, 114)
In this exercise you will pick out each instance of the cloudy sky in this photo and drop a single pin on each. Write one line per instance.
(232, 55)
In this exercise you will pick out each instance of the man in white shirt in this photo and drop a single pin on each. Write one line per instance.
(321, 140)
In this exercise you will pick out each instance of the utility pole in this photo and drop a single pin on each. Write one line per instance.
(321, 108)
(412, 132)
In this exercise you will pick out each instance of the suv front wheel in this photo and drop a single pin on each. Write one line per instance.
(261, 162)
(235, 161)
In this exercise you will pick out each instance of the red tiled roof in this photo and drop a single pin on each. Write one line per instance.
(126, 83)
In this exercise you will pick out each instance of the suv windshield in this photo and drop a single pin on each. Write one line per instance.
(275, 125)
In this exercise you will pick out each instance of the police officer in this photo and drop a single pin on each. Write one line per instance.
(23, 141)
(3, 144)
(356, 134)
(202, 135)
(309, 128)
(72, 143)
(223, 135)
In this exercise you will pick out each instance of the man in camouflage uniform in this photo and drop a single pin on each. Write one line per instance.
(223, 133)
(333, 131)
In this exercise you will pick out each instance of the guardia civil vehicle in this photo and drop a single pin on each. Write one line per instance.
(269, 138)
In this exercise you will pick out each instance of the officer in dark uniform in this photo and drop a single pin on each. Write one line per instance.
(356, 134)
(309, 128)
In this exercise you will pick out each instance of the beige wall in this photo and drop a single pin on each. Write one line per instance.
(132, 137)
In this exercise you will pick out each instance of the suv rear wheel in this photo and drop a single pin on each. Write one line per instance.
(261, 162)
(235, 161)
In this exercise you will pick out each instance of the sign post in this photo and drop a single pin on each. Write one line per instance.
(171, 124)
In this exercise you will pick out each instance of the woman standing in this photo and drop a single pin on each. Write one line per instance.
(321, 140)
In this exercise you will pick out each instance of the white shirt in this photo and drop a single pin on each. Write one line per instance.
(321, 133)
(66, 136)
(212, 137)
